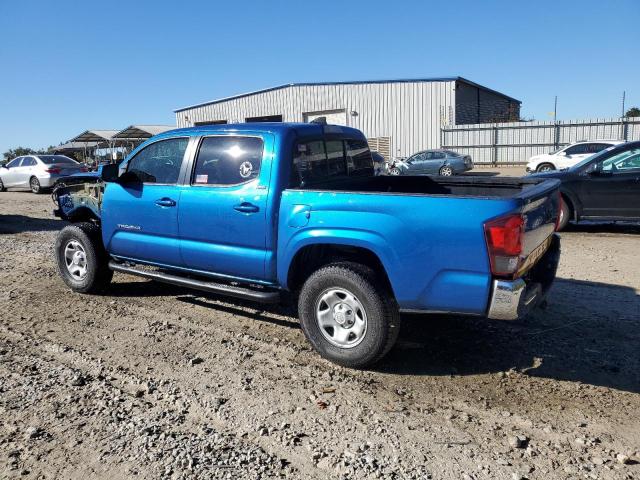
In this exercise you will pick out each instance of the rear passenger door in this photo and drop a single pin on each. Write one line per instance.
(223, 218)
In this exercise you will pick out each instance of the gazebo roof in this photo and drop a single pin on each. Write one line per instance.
(141, 132)
(99, 136)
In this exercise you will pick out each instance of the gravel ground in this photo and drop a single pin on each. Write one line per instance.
(153, 381)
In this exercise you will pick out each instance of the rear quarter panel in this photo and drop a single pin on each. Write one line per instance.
(432, 247)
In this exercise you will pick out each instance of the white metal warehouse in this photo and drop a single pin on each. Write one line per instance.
(399, 117)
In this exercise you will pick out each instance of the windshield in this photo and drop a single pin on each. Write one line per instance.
(51, 159)
(601, 154)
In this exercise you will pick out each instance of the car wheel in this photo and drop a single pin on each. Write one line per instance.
(81, 258)
(545, 167)
(2, 189)
(445, 171)
(348, 316)
(394, 171)
(34, 185)
(565, 214)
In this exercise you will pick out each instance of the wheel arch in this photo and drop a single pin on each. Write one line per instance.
(310, 257)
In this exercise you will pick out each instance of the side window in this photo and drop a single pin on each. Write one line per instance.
(336, 159)
(14, 163)
(360, 160)
(576, 149)
(160, 162)
(309, 163)
(28, 162)
(227, 160)
(596, 147)
(437, 155)
(623, 162)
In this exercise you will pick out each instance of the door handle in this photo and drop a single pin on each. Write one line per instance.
(166, 202)
(246, 207)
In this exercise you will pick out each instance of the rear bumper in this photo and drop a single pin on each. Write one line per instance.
(513, 299)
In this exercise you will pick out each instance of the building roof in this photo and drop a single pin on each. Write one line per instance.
(141, 132)
(358, 82)
(100, 136)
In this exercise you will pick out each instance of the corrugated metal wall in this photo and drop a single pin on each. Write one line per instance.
(410, 113)
(516, 142)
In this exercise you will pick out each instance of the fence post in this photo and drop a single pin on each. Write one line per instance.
(494, 141)
(556, 135)
(625, 128)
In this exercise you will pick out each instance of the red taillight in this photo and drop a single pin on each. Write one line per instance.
(560, 205)
(53, 170)
(504, 243)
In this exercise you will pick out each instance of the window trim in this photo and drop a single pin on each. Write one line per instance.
(185, 158)
(189, 180)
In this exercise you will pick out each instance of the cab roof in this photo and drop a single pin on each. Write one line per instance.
(276, 128)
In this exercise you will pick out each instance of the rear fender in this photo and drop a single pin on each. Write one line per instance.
(371, 241)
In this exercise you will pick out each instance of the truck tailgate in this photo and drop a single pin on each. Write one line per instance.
(540, 210)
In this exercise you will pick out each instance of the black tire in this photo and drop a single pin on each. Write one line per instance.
(545, 167)
(445, 171)
(382, 315)
(2, 189)
(98, 275)
(565, 214)
(34, 185)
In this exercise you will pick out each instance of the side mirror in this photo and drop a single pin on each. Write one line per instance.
(109, 173)
(129, 178)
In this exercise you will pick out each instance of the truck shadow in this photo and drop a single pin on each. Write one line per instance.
(11, 224)
(589, 333)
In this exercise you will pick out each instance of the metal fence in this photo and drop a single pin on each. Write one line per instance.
(514, 143)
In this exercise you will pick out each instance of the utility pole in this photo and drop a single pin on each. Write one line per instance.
(624, 94)
(555, 109)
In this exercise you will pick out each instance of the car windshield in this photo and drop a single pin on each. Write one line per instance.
(556, 151)
(600, 154)
(51, 159)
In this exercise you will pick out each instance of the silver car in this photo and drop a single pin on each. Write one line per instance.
(432, 162)
(37, 172)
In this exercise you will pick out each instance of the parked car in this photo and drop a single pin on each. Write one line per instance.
(432, 162)
(37, 172)
(568, 156)
(254, 211)
(605, 186)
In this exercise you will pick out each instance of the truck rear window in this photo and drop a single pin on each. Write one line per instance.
(318, 161)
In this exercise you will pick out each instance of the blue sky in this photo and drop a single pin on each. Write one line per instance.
(66, 66)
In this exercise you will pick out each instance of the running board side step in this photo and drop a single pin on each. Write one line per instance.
(211, 287)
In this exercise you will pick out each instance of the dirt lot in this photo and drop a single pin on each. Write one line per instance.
(153, 381)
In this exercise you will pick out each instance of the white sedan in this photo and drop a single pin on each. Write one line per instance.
(568, 156)
(37, 172)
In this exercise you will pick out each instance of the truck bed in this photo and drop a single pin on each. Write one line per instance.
(466, 186)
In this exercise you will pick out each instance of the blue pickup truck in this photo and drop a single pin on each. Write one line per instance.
(257, 211)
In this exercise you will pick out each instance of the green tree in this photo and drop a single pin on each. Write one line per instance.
(17, 152)
(633, 112)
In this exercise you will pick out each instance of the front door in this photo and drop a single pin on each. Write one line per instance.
(223, 212)
(613, 189)
(10, 174)
(140, 213)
